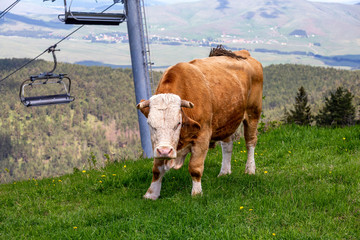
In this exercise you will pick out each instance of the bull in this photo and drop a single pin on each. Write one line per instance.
(198, 103)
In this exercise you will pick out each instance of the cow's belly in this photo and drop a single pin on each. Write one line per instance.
(225, 124)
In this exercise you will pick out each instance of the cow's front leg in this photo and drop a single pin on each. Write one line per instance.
(196, 168)
(227, 148)
(159, 169)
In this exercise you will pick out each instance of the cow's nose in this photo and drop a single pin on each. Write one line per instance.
(164, 152)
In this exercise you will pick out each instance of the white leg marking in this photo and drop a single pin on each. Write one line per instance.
(155, 187)
(196, 189)
(227, 148)
(250, 164)
(153, 192)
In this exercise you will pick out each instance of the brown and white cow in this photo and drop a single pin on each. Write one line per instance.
(198, 103)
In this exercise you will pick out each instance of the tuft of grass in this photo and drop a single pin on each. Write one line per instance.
(307, 186)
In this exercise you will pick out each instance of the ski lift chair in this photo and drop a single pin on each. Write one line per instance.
(91, 18)
(43, 79)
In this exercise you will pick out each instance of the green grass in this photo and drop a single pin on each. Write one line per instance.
(307, 186)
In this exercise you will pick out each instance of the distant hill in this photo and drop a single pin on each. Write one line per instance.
(13, 19)
(183, 30)
(255, 18)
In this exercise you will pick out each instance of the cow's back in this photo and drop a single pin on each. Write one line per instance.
(220, 87)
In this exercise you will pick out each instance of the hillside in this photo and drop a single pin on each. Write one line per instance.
(281, 83)
(306, 187)
(51, 141)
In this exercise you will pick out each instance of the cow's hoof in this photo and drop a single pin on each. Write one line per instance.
(151, 196)
(250, 171)
(196, 189)
(223, 173)
(195, 194)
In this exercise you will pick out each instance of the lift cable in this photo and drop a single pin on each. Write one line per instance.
(9, 8)
(46, 50)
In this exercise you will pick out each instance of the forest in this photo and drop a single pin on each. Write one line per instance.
(101, 124)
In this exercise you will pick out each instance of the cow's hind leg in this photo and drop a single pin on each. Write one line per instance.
(250, 131)
(227, 148)
(159, 169)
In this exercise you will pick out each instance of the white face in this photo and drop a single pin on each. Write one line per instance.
(165, 121)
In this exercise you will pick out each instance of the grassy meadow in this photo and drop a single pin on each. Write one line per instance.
(307, 186)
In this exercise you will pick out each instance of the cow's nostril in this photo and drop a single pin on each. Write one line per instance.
(159, 151)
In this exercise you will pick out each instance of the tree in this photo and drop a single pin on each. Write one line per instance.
(301, 114)
(338, 109)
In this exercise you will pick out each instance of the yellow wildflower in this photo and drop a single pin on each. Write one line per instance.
(100, 181)
(84, 171)
(241, 207)
(265, 172)
(289, 151)
(114, 174)
(60, 180)
(238, 142)
(273, 234)
(344, 138)
(124, 166)
(250, 209)
(75, 227)
(103, 176)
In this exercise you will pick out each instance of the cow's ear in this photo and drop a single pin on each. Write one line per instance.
(190, 127)
(144, 107)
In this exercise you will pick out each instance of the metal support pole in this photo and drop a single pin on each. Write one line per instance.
(139, 67)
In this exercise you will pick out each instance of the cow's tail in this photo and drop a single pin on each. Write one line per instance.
(221, 51)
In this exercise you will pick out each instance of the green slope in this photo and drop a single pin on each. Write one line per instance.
(306, 187)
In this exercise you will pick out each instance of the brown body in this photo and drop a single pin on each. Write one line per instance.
(225, 91)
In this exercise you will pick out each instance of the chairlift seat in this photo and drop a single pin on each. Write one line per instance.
(46, 78)
(47, 100)
(92, 18)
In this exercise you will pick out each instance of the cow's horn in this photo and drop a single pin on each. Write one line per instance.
(187, 104)
(143, 104)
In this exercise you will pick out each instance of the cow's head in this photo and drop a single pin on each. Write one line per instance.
(166, 119)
